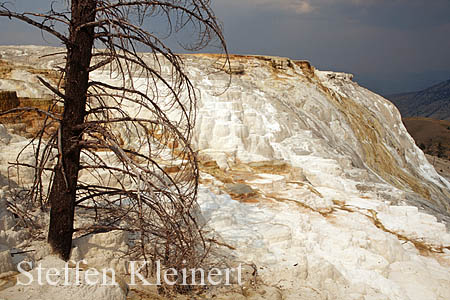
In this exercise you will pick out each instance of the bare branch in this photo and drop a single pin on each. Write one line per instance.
(122, 152)
(6, 13)
(34, 109)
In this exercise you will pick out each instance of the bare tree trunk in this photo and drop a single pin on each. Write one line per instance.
(63, 191)
(160, 203)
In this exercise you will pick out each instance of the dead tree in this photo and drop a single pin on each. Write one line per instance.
(122, 148)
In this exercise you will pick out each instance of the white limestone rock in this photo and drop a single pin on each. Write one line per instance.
(336, 229)
(5, 137)
(102, 250)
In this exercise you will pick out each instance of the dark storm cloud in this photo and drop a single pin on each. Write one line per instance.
(390, 46)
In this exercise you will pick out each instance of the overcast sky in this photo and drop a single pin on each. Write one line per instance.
(390, 45)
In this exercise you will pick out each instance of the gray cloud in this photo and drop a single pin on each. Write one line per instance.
(390, 45)
(382, 42)
(301, 6)
(296, 6)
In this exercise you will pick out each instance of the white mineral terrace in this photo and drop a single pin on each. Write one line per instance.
(345, 206)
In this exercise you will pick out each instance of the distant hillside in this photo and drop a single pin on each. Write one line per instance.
(433, 102)
(432, 136)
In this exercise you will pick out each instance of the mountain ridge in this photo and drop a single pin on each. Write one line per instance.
(432, 102)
